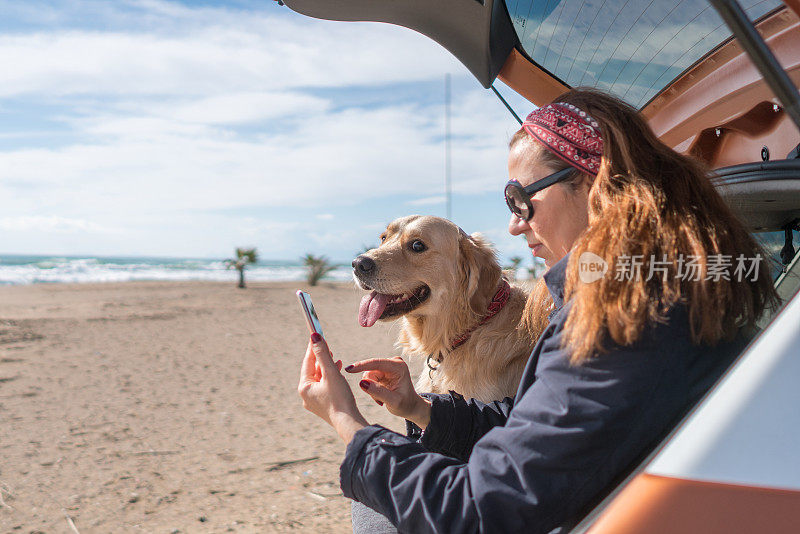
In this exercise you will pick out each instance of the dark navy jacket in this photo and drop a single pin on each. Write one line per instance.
(535, 462)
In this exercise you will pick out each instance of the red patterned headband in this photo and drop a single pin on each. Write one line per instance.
(569, 133)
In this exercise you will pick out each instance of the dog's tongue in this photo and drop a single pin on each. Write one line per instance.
(371, 308)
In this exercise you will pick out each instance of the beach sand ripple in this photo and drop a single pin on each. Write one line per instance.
(171, 407)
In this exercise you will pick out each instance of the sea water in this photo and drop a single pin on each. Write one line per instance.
(55, 269)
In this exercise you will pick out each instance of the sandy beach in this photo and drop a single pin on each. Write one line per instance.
(171, 407)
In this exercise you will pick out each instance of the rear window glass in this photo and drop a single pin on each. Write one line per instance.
(773, 242)
(631, 48)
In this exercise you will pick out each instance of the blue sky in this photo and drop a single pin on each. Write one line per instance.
(190, 128)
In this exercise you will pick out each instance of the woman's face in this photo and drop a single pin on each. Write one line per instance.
(560, 212)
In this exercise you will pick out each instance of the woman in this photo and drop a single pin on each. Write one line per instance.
(622, 356)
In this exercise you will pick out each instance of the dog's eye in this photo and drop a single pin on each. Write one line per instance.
(418, 246)
(383, 238)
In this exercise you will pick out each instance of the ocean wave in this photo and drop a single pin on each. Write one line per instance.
(21, 270)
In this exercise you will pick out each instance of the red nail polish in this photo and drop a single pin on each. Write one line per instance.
(316, 338)
(364, 385)
(349, 368)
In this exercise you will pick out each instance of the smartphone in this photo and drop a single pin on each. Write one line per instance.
(310, 313)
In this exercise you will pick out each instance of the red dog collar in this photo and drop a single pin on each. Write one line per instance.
(499, 300)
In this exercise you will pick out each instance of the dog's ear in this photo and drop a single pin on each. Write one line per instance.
(480, 272)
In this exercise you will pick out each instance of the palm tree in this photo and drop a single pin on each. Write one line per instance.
(515, 261)
(318, 267)
(244, 256)
(538, 268)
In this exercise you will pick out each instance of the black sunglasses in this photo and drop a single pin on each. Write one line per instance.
(518, 198)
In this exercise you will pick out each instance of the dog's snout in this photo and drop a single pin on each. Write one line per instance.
(363, 265)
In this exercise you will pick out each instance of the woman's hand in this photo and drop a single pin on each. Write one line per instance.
(326, 393)
(388, 381)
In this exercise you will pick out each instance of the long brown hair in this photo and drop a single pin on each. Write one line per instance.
(649, 201)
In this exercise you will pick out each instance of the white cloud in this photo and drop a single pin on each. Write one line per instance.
(149, 164)
(207, 51)
(54, 224)
(427, 201)
(182, 113)
(241, 108)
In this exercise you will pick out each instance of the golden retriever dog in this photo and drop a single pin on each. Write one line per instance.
(456, 309)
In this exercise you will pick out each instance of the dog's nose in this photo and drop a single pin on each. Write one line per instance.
(363, 264)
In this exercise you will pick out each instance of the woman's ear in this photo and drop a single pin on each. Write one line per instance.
(480, 272)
